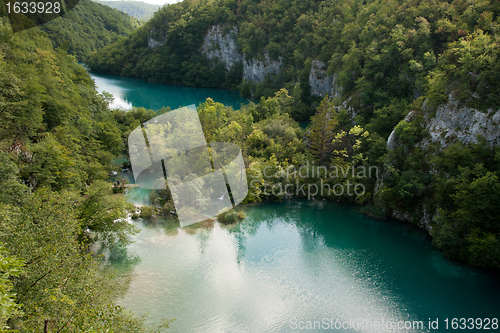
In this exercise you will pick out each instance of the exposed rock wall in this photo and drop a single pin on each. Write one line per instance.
(256, 70)
(322, 84)
(152, 42)
(223, 46)
(453, 122)
(449, 123)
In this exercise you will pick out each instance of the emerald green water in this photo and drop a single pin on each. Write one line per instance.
(290, 263)
(300, 261)
(130, 92)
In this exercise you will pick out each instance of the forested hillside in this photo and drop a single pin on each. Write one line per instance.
(88, 27)
(138, 9)
(379, 51)
(57, 143)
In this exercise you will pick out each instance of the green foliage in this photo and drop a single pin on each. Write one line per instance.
(88, 27)
(138, 9)
(57, 143)
(60, 281)
(178, 60)
(321, 131)
(409, 132)
(9, 267)
(463, 187)
(147, 212)
(469, 68)
(105, 214)
(470, 203)
(383, 53)
(230, 216)
(385, 119)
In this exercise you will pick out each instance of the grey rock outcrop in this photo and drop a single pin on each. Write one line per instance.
(322, 84)
(257, 70)
(453, 122)
(152, 42)
(223, 46)
(392, 141)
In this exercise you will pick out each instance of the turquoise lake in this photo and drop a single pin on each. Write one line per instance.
(128, 92)
(295, 264)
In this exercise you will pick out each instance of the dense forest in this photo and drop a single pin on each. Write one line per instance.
(88, 27)
(138, 9)
(57, 143)
(389, 59)
(380, 51)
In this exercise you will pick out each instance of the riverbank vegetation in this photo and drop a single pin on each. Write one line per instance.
(379, 51)
(57, 143)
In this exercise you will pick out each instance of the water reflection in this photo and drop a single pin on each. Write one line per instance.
(128, 92)
(298, 260)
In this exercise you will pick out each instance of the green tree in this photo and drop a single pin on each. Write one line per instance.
(59, 283)
(10, 267)
(105, 214)
(322, 131)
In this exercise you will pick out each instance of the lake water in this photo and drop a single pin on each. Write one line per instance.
(300, 261)
(128, 92)
(294, 264)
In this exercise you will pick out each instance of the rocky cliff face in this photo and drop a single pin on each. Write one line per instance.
(152, 42)
(221, 43)
(256, 70)
(453, 122)
(322, 84)
(449, 123)
(223, 46)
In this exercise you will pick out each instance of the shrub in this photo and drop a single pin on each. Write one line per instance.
(228, 217)
(146, 212)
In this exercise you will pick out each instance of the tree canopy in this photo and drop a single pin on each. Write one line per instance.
(88, 27)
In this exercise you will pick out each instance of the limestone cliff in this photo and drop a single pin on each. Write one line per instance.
(220, 42)
(454, 122)
(446, 125)
(222, 45)
(257, 70)
(152, 42)
(322, 84)
(451, 122)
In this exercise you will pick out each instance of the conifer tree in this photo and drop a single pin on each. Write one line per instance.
(321, 132)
